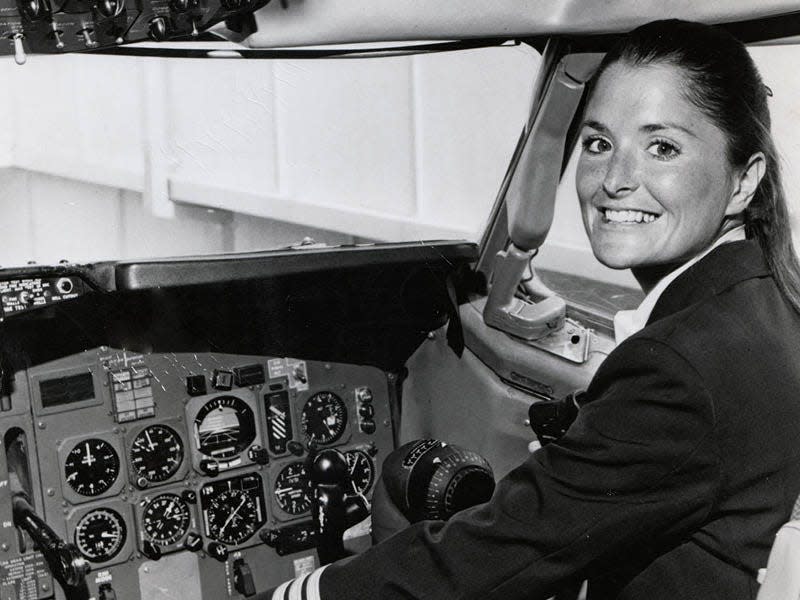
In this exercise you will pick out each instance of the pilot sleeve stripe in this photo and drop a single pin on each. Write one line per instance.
(296, 589)
(280, 591)
(302, 588)
(313, 584)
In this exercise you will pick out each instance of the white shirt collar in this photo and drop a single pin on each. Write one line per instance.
(628, 322)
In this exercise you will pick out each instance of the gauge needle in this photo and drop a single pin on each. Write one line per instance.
(88, 459)
(150, 443)
(106, 534)
(233, 514)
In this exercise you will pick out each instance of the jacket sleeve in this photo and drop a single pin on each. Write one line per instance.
(635, 473)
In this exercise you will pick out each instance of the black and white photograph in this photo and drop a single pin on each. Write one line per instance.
(399, 300)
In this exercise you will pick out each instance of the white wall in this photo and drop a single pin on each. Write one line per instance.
(50, 218)
(390, 149)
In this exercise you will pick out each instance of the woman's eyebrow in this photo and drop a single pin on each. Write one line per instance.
(594, 125)
(654, 127)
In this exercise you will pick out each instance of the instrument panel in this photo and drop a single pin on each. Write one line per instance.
(154, 464)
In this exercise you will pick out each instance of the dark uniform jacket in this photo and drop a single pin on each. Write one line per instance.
(671, 483)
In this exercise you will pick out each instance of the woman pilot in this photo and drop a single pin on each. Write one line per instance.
(684, 461)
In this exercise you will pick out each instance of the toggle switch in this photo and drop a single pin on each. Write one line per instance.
(86, 34)
(19, 50)
(57, 33)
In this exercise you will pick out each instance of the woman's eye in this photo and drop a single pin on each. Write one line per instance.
(663, 149)
(596, 145)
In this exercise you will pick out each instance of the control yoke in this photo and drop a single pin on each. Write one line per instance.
(65, 562)
(335, 504)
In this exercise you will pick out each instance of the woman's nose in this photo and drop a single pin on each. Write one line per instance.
(621, 177)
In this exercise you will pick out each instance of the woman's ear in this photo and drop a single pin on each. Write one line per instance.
(746, 182)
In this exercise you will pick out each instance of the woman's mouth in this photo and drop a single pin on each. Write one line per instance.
(627, 216)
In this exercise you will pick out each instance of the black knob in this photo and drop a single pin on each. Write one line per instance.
(109, 8)
(295, 448)
(157, 30)
(367, 427)
(107, 592)
(218, 551)
(151, 550)
(34, 9)
(269, 537)
(243, 578)
(209, 467)
(189, 496)
(193, 542)
(258, 455)
(329, 466)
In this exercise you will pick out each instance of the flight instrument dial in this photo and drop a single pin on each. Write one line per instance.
(100, 534)
(91, 467)
(362, 469)
(233, 509)
(224, 427)
(324, 418)
(156, 454)
(292, 492)
(166, 519)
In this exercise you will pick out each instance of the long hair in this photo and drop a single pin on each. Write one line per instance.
(724, 83)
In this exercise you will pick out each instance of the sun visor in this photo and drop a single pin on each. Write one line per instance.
(311, 22)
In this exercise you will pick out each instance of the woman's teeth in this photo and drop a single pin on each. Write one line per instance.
(628, 216)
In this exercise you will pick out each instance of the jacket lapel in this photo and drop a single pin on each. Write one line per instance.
(723, 267)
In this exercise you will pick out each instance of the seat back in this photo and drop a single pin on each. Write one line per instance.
(781, 581)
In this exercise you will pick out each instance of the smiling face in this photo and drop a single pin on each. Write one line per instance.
(653, 179)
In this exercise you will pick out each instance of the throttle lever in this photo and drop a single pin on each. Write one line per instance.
(65, 562)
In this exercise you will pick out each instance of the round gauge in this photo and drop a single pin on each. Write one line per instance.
(224, 427)
(156, 453)
(100, 534)
(362, 471)
(166, 519)
(232, 516)
(92, 467)
(291, 489)
(324, 418)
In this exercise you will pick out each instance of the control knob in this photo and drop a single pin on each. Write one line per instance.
(430, 479)
(110, 8)
(34, 9)
(157, 29)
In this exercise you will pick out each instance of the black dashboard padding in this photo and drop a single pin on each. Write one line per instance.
(369, 306)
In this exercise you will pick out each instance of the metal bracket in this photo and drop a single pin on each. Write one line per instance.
(514, 315)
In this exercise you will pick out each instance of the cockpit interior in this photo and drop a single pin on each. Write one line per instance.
(170, 425)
